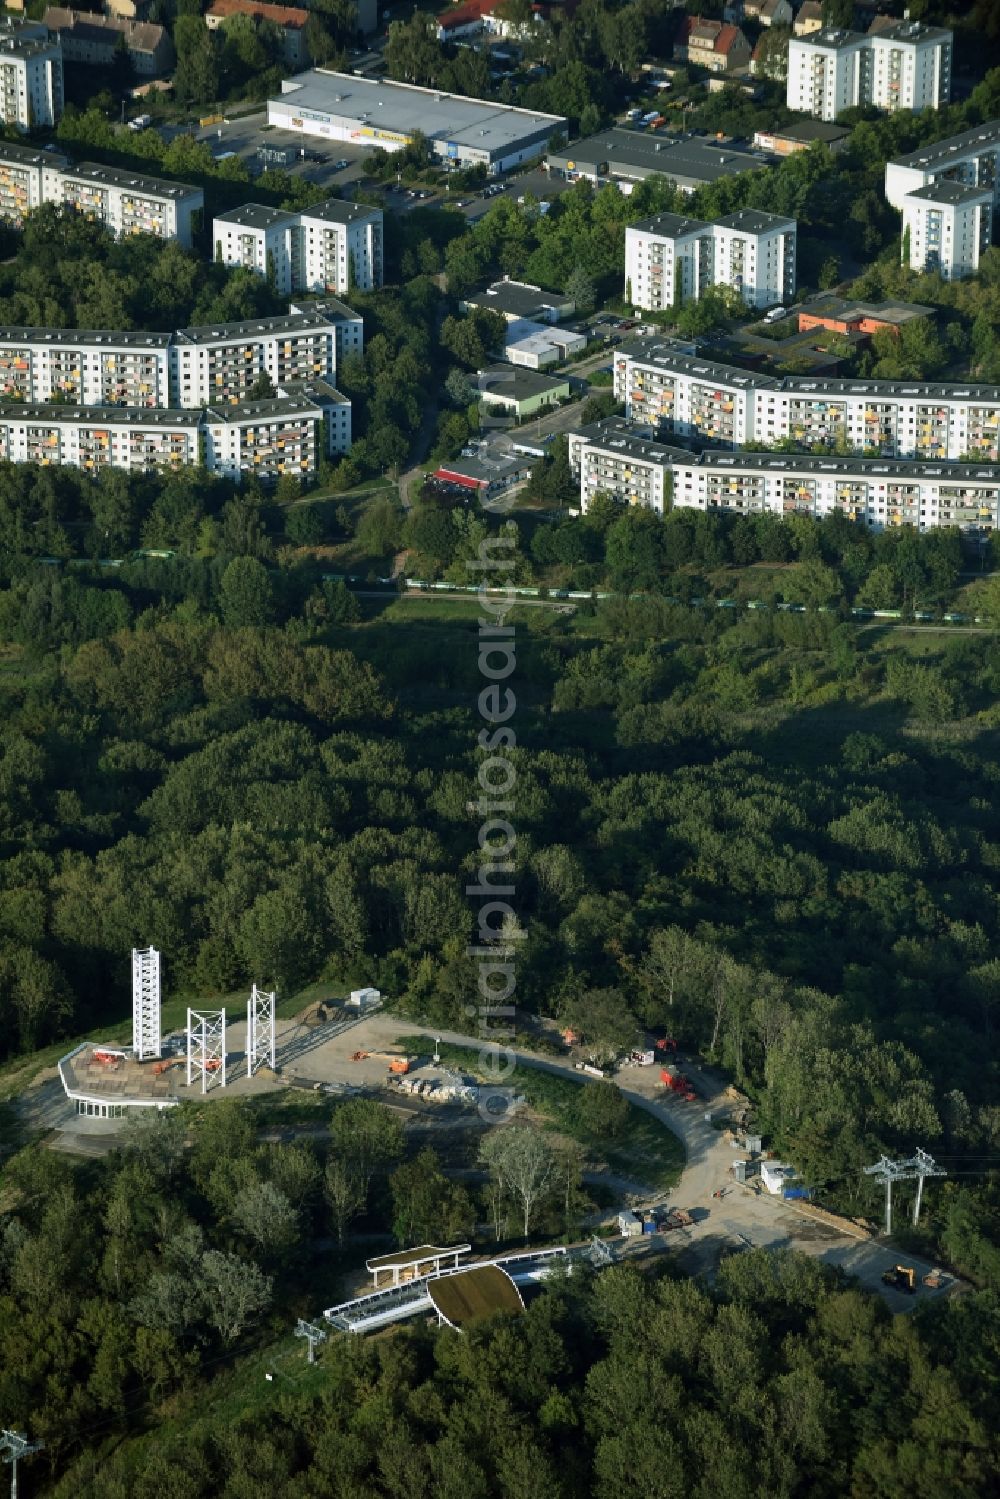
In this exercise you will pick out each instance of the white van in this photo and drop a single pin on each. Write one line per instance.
(775, 314)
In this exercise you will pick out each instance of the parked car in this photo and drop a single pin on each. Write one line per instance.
(338, 166)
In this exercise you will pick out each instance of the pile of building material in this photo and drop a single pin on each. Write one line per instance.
(438, 1092)
(315, 1014)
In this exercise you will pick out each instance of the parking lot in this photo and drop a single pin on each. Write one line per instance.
(338, 164)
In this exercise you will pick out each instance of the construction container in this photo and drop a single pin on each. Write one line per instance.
(366, 996)
(740, 1171)
(649, 1225)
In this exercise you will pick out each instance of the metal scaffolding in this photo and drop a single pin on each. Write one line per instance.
(145, 1003)
(206, 1047)
(260, 1030)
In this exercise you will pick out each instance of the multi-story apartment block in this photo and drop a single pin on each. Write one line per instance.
(907, 66)
(125, 202)
(328, 248)
(348, 326)
(670, 259)
(334, 436)
(672, 392)
(288, 434)
(971, 159)
(224, 363)
(28, 178)
(870, 491)
(910, 67)
(130, 204)
(627, 463)
(31, 76)
(608, 459)
(340, 247)
(266, 439)
(755, 255)
(93, 438)
(83, 367)
(190, 368)
(946, 228)
(826, 73)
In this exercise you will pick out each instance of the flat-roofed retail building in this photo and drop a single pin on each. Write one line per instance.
(627, 156)
(380, 112)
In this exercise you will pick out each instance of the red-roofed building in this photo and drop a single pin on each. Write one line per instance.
(288, 19)
(471, 17)
(461, 481)
(467, 19)
(717, 46)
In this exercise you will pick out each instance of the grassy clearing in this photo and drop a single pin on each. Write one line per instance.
(645, 1150)
(432, 609)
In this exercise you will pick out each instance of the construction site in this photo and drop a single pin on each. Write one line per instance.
(731, 1196)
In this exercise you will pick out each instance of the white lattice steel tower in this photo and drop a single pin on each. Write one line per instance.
(145, 1002)
(260, 1030)
(206, 1047)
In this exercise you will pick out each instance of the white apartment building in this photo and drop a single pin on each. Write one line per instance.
(610, 459)
(676, 393)
(875, 493)
(93, 438)
(910, 67)
(86, 368)
(127, 202)
(328, 248)
(826, 72)
(225, 362)
(285, 435)
(672, 392)
(191, 368)
(341, 248)
(28, 178)
(755, 256)
(907, 66)
(266, 439)
(971, 159)
(348, 326)
(627, 463)
(130, 203)
(946, 228)
(670, 259)
(31, 76)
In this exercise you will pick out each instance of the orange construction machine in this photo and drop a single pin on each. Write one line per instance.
(397, 1064)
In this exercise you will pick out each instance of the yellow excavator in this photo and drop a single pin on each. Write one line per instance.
(902, 1278)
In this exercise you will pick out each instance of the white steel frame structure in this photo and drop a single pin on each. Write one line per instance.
(206, 1047)
(145, 1003)
(260, 1030)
